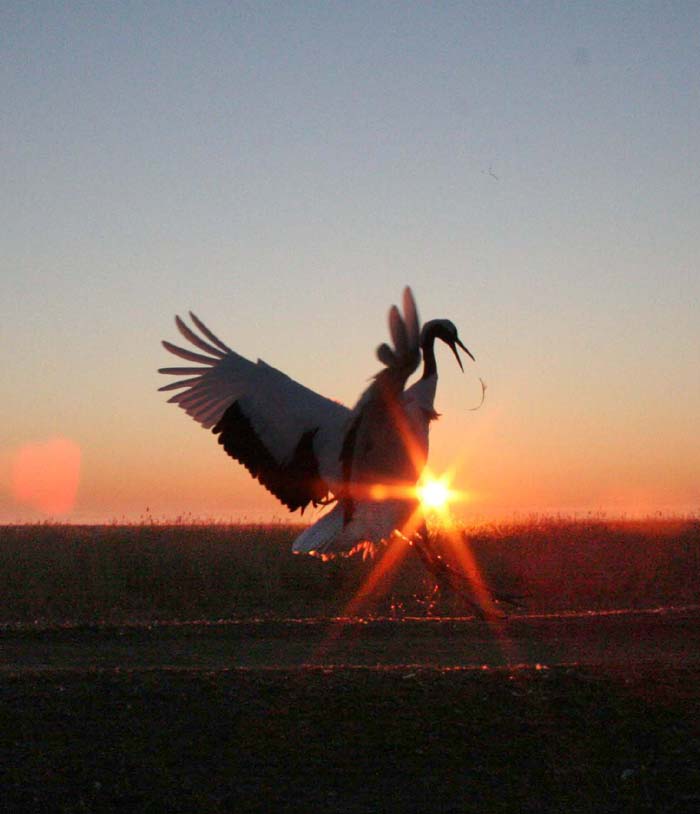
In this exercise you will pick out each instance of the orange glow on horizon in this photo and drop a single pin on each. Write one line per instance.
(46, 475)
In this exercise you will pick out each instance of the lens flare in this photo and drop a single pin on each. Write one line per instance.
(46, 475)
(436, 494)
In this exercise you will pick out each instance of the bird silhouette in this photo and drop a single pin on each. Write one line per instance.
(308, 449)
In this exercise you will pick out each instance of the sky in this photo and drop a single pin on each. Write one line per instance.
(532, 170)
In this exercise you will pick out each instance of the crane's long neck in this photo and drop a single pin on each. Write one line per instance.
(428, 346)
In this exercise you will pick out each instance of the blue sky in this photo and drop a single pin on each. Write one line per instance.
(285, 168)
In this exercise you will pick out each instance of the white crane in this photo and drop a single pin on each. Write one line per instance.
(305, 448)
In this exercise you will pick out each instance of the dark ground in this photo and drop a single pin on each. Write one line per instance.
(601, 715)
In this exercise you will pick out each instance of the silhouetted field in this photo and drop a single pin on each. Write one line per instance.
(181, 734)
(568, 740)
(56, 573)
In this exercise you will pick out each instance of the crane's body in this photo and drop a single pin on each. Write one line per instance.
(387, 446)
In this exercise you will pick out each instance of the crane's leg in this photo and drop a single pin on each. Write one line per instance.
(448, 576)
(445, 576)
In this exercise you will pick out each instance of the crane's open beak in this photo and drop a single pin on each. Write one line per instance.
(453, 347)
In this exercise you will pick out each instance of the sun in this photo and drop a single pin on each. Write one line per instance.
(435, 494)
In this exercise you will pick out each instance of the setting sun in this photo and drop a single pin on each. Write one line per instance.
(435, 494)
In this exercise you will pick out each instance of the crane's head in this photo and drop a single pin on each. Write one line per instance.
(445, 330)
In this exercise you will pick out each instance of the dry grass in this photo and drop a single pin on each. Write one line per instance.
(60, 573)
(594, 564)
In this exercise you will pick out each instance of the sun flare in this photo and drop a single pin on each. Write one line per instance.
(436, 494)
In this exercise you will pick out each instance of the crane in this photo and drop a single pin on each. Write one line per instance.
(307, 449)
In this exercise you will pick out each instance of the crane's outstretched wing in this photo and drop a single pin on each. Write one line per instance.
(286, 435)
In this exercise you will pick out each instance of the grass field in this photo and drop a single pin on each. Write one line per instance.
(58, 573)
(618, 736)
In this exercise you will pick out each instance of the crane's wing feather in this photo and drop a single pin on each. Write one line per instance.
(219, 352)
(285, 434)
(386, 355)
(397, 329)
(410, 318)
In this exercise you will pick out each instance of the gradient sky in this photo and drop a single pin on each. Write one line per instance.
(284, 169)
